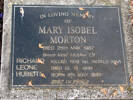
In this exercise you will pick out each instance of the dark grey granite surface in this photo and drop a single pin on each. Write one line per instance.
(120, 92)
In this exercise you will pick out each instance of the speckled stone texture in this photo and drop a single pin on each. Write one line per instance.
(7, 93)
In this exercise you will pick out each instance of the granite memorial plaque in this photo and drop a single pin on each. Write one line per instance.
(67, 46)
